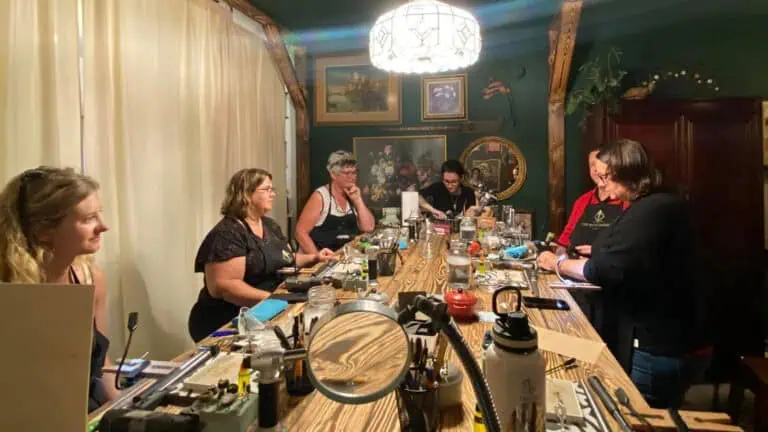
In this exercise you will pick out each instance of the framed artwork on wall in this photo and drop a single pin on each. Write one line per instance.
(393, 164)
(497, 164)
(349, 90)
(444, 98)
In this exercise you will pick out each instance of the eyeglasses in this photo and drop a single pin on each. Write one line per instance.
(268, 190)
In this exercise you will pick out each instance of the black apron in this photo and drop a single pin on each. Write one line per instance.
(326, 234)
(596, 217)
(209, 313)
(97, 396)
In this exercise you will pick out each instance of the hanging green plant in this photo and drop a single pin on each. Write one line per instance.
(602, 86)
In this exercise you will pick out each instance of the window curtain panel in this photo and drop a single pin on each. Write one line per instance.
(177, 98)
(39, 94)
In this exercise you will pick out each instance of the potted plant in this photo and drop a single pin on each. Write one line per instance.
(602, 86)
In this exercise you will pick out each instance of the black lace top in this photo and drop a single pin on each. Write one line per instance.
(231, 238)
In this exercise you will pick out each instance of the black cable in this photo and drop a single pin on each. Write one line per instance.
(133, 322)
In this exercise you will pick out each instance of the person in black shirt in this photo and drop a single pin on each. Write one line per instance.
(643, 264)
(241, 254)
(447, 198)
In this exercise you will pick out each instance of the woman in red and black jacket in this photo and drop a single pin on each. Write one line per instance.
(592, 212)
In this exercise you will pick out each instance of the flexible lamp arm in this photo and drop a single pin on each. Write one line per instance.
(441, 321)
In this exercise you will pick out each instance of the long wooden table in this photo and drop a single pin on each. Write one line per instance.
(315, 412)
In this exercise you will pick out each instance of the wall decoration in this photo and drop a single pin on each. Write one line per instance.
(603, 83)
(390, 165)
(444, 98)
(497, 163)
(349, 90)
(525, 222)
(657, 78)
(496, 87)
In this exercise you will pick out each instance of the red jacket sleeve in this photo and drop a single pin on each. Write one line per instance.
(576, 212)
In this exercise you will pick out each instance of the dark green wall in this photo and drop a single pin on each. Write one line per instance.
(530, 134)
(712, 37)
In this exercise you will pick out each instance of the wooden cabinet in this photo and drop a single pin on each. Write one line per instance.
(711, 152)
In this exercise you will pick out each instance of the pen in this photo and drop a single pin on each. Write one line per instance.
(221, 333)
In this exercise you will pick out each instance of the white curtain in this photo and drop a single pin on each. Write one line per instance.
(176, 99)
(39, 96)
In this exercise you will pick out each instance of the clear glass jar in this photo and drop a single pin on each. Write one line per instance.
(320, 300)
(459, 268)
(468, 229)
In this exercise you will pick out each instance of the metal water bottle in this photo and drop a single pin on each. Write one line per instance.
(514, 368)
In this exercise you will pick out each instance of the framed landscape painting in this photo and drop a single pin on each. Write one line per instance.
(444, 98)
(349, 90)
(393, 164)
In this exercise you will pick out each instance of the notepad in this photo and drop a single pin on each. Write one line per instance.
(569, 346)
(565, 391)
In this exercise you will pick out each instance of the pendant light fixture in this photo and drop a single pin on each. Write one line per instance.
(423, 37)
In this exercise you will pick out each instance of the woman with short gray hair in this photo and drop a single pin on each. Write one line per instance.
(334, 213)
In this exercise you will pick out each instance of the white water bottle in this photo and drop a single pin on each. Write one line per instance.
(514, 369)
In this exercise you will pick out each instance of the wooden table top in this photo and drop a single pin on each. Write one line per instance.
(315, 412)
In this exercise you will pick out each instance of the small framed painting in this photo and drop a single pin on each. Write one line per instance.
(444, 98)
(525, 222)
(349, 90)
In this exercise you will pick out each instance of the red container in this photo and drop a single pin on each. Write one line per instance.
(461, 304)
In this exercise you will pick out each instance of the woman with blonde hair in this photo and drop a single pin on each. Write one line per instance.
(50, 220)
(240, 256)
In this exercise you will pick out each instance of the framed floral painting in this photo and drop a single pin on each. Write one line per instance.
(444, 98)
(349, 90)
(393, 164)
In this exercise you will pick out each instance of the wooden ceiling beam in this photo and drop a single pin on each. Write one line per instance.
(562, 39)
(276, 48)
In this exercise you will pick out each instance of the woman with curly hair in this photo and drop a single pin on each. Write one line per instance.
(51, 223)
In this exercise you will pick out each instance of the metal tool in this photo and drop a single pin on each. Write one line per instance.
(608, 403)
(623, 399)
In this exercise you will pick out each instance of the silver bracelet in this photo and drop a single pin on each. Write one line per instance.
(560, 259)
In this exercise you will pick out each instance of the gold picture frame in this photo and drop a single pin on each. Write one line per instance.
(349, 90)
(388, 165)
(444, 98)
(513, 167)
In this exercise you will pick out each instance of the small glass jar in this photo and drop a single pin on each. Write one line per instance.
(320, 300)
(459, 269)
(468, 229)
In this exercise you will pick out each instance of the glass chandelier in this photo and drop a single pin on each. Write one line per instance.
(425, 36)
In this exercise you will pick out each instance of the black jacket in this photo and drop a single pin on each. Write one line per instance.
(644, 261)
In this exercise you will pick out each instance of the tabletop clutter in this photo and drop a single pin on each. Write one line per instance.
(240, 385)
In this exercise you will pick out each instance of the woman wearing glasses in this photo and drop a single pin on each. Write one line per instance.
(241, 254)
(643, 262)
(336, 212)
(50, 220)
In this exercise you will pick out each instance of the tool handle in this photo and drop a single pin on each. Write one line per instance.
(610, 405)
